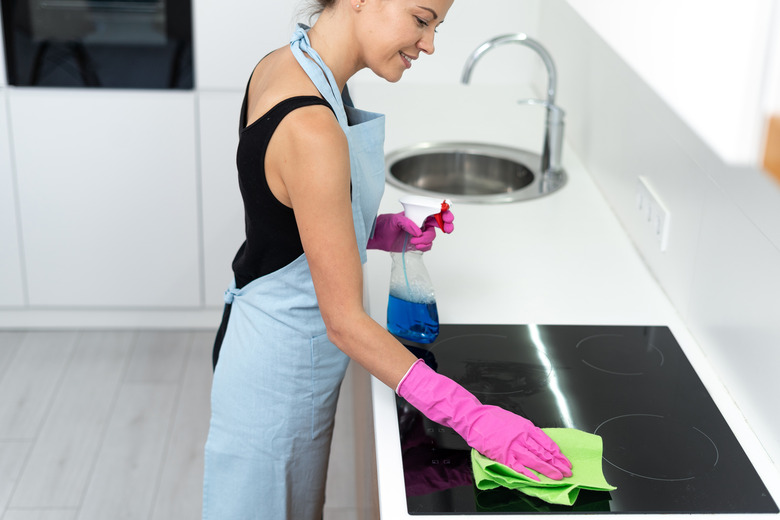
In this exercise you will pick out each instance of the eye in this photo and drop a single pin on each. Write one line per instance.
(422, 23)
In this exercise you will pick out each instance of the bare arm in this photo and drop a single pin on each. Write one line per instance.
(308, 165)
(312, 162)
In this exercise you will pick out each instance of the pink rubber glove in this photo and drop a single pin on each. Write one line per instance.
(447, 219)
(391, 228)
(496, 433)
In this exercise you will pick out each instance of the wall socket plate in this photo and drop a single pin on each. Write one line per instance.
(653, 212)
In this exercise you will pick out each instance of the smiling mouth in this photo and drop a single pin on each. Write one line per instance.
(407, 59)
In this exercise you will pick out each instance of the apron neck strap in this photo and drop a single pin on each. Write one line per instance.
(319, 73)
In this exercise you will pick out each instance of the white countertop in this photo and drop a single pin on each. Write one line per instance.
(559, 259)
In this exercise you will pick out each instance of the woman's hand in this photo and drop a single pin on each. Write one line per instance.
(498, 434)
(391, 229)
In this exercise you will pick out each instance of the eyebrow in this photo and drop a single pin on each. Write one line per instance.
(435, 16)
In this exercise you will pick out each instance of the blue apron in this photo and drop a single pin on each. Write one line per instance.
(276, 385)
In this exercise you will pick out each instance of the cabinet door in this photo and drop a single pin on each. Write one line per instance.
(11, 289)
(108, 197)
(3, 80)
(223, 213)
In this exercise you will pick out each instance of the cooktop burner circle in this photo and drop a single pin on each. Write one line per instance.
(655, 447)
(619, 354)
(492, 364)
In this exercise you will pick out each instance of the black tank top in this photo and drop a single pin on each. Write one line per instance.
(272, 239)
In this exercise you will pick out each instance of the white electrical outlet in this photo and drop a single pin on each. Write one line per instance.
(653, 212)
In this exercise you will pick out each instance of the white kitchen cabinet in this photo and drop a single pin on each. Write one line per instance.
(710, 61)
(223, 213)
(11, 288)
(3, 80)
(108, 197)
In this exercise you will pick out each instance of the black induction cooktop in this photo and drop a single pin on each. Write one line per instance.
(667, 447)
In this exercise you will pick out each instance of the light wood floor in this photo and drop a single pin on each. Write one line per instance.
(110, 425)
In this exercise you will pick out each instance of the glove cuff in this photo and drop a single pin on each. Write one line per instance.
(438, 397)
(403, 379)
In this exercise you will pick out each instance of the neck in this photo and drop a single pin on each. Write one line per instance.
(331, 37)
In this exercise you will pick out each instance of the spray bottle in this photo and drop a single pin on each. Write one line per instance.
(411, 309)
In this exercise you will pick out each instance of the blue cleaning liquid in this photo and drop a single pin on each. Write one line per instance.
(417, 322)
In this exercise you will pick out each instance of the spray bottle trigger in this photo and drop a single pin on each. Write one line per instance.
(439, 219)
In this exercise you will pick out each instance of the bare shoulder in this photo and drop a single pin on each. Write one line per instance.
(308, 153)
(276, 78)
(307, 133)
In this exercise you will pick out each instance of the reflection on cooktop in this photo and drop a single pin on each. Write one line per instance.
(497, 366)
(667, 448)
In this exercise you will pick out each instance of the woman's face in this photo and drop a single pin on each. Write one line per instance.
(393, 33)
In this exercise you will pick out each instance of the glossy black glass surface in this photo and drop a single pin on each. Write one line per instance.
(667, 447)
(99, 43)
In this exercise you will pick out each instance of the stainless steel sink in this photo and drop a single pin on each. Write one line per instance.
(471, 172)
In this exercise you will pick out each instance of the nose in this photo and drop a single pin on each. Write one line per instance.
(426, 43)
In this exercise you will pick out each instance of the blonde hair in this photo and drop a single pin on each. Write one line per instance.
(317, 6)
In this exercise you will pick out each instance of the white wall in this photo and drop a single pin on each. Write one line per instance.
(771, 99)
(466, 26)
(705, 58)
(233, 35)
(722, 265)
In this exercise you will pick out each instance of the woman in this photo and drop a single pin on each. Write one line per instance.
(311, 173)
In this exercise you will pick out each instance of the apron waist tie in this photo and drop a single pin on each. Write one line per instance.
(231, 293)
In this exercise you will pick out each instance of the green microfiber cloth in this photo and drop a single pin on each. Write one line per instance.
(582, 449)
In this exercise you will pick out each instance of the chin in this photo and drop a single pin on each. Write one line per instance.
(392, 76)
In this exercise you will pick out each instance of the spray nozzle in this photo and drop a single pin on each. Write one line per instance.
(418, 208)
(445, 205)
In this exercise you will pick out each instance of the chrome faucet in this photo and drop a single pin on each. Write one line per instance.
(553, 132)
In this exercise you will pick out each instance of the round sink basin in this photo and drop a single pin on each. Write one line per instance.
(471, 172)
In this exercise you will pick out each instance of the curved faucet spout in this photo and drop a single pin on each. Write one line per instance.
(553, 135)
(522, 39)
